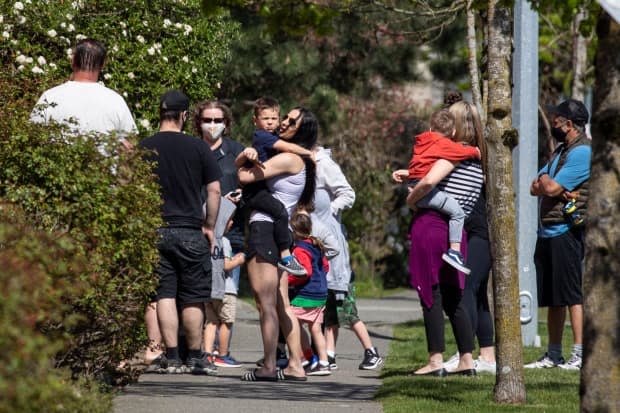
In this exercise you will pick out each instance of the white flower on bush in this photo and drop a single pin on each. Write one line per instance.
(188, 29)
(194, 70)
(20, 59)
(125, 94)
(145, 123)
(70, 27)
(1, 18)
(124, 32)
(151, 51)
(37, 70)
(52, 65)
(185, 59)
(145, 23)
(131, 75)
(64, 39)
(29, 60)
(21, 20)
(18, 6)
(6, 35)
(41, 60)
(138, 105)
(140, 39)
(167, 23)
(107, 76)
(63, 25)
(164, 58)
(115, 48)
(52, 33)
(123, 25)
(178, 25)
(69, 16)
(79, 37)
(20, 68)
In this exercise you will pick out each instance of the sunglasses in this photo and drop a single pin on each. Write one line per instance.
(214, 120)
(290, 121)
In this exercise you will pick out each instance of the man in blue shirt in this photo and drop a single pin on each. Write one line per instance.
(562, 190)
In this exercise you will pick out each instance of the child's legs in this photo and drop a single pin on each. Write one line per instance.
(445, 204)
(227, 316)
(304, 338)
(264, 201)
(319, 340)
(210, 326)
(348, 315)
(331, 321)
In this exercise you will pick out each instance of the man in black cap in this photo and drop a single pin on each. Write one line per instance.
(562, 190)
(186, 167)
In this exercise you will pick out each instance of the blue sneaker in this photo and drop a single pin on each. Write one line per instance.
(455, 259)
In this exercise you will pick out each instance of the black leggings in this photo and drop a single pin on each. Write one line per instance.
(475, 298)
(447, 298)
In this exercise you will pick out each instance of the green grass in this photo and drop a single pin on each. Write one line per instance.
(548, 390)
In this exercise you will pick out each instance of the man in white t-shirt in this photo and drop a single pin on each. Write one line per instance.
(82, 100)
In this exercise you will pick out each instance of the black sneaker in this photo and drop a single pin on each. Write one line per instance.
(171, 366)
(293, 267)
(455, 259)
(202, 365)
(332, 363)
(318, 370)
(372, 360)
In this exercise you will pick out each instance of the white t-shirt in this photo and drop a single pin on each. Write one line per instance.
(93, 106)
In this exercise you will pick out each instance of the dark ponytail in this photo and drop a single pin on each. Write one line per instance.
(306, 200)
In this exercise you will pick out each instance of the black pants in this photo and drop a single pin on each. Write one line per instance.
(475, 298)
(257, 197)
(447, 298)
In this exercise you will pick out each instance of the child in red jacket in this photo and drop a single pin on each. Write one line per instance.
(429, 147)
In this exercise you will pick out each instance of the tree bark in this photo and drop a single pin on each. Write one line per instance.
(472, 60)
(501, 139)
(579, 56)
(600, 375)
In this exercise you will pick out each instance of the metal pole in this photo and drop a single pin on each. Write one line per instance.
(525, 161)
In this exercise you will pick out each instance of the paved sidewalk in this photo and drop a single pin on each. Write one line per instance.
(345, 390)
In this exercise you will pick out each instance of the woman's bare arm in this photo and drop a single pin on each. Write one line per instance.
(282, 163)
(440, 169)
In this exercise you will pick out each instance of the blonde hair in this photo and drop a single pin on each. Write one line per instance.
(468, 127)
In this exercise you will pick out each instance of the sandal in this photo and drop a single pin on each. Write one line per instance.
(252, 376)
(282, 376)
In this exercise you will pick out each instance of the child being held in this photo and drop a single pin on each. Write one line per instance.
(308, 295)
(256, 195)
(429, 147)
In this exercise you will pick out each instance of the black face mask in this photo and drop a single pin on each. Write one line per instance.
(558, 134)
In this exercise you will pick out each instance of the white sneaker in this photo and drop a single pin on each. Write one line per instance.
(545, 362)
(483, 366)
(573, 363)
(452, 363)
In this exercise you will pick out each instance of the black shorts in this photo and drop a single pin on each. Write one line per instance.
(559, 268)
(261, 242)
(184, 265)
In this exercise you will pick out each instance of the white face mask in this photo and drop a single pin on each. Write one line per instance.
(213, 129)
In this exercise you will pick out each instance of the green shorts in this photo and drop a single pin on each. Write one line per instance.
(345, 315)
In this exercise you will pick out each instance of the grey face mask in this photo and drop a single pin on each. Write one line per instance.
(215, 130)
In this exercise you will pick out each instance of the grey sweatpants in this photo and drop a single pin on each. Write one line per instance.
(449, 206)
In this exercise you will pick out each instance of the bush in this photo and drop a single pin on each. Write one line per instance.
(36, 272)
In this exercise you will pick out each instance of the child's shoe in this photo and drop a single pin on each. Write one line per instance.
(292, 266)
(372, 360)
(319, 369)
(332, 363)
(455, 259)
(226, 361)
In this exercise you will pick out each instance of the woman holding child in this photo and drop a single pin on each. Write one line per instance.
(291, 178)
(439, 285)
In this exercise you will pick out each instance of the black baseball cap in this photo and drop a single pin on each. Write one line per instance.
(571, 109)
(174, 100)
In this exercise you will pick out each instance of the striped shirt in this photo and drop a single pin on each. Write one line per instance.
(464, 184)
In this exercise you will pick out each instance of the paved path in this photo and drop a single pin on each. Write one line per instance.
(347, 390)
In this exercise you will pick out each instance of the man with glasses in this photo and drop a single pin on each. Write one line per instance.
(185, 166)
(562, 189)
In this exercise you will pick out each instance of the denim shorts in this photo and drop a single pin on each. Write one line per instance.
(184, 265)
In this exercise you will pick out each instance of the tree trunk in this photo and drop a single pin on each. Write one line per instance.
(472, 60)
(501, 139)
(579, 57)
(600, 375)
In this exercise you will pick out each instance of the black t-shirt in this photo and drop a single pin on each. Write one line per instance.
(185, 165)
(476, 223)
